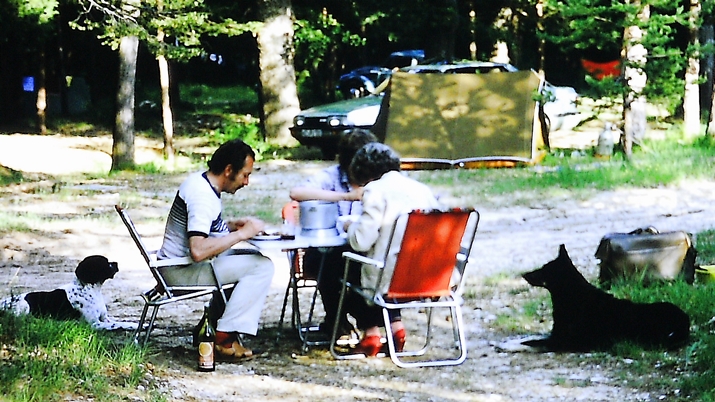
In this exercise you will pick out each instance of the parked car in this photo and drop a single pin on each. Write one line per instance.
(561, 112)
(363, 81)
(404, 58)
(320, 125)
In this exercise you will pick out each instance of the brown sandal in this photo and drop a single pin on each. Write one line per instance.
(233, 353)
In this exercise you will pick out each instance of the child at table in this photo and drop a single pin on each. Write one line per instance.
(333, 184)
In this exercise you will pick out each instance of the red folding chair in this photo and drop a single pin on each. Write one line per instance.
(428, 273)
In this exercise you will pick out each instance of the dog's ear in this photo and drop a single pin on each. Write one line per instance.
(95, 269)
(562, 252)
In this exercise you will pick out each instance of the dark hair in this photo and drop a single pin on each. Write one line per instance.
(95, 269)
(232, 153)
(372, 161)
(349, 143)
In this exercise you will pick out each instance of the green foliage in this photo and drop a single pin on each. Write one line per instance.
(46, 360)
(315, 38)
(249, 132)
(43, 11)
(172, 28)
(318, 35)
(571, 24)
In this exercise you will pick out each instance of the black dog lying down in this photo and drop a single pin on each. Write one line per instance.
(82, 298)
(587, 318)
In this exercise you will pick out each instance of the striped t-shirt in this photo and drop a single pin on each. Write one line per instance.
(196, 211)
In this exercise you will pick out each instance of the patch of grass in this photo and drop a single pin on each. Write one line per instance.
(218, 100)
(265, 208)
(11, 222)
(696, 367)
(657, 163)
(46, 360)
(683, 374)
(19, 222)
(705, 244)
(9, 176)
(527, 318)
(162, 166)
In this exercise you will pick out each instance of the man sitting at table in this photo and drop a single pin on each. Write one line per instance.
(196, 229)
(332, 184)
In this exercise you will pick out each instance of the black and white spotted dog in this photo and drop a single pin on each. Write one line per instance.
(82, 298)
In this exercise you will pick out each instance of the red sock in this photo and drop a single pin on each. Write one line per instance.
(224, 338)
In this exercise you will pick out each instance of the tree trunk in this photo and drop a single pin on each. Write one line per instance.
(634, 103)
(41, 101)
(123, 146)
(442, 29)
(277, 73)
(707, 64)
(167, 118)
(542, 41)
(500, 53)
(691, 98)
(472, 31)
(166, 115)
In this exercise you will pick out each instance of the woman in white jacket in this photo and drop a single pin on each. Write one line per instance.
(387, 194)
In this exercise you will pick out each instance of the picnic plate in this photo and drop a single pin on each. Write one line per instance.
(267, 237)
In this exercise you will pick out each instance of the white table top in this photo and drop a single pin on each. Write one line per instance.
(300, 242)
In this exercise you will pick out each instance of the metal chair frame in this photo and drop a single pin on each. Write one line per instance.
(297, 281)
(448, 295)
(163, 293)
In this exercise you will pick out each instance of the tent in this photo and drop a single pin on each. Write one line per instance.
(465, 120)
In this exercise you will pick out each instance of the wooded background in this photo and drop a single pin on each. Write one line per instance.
(293, 51)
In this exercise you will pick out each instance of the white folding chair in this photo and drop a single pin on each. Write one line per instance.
(428, 273)
(164, 293)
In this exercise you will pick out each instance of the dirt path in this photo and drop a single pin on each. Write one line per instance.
(510, 240)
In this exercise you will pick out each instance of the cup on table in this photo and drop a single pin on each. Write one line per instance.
(288, 231)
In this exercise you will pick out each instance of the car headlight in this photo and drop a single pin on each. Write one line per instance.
(299, 121)
(335, 121)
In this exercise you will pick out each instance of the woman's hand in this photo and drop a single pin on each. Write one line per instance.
(355, 194)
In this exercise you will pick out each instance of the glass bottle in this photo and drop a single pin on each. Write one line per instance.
(206, 338)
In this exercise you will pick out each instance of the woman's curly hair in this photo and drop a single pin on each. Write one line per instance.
(372, 161)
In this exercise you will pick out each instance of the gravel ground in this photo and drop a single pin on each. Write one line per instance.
(510, 240)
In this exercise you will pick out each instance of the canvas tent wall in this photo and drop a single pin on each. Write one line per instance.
(465, 120)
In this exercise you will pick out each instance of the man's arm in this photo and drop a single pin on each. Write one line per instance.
(206, 247)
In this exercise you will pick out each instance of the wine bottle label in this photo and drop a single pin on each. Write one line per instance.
(206, 355)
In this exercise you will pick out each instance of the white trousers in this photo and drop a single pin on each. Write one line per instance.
(252, 273)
